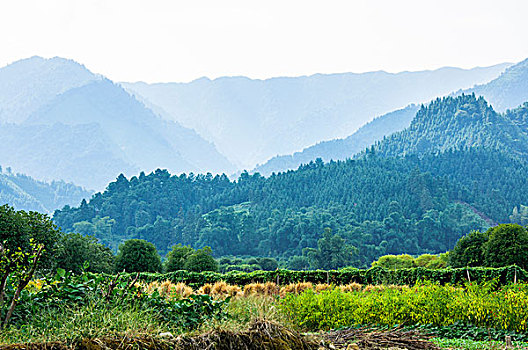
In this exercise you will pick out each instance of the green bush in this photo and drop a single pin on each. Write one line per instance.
(375, 275)
(481, 305)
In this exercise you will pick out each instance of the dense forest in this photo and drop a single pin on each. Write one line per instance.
(422, 202)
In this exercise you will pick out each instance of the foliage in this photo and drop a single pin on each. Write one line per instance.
(469, 250)
(479, 305)
(136, 255)
(250, 264)
(507, 245)
(176, 257)
(19, 228)
(74, 251)
(376, 275)
(66, 306)
(331, 252)
(201, 260)
(467, 344)
(403, 261)
(502, 245)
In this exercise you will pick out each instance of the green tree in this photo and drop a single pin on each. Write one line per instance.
(507, 245)
(331, 252)
(469, 250)
(393, 262)
(75, 249)
(298, 263)
(137, 255)
(19, 228)
(177, 257)
(201, 260)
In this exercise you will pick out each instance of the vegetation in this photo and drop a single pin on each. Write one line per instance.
(405, 261)
(78, 253)
(137, 255)
(476, 304)
(282, 215)
(416, 192)
(501, 245)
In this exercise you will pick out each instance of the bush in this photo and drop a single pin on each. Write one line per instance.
(507, 245)
(201, 260)
(469, 250)
(478, 305)
(137, 255)
(74, 250)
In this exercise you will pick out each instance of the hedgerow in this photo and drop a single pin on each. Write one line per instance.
(375, 275)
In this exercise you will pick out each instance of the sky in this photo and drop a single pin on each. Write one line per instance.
(171, 40)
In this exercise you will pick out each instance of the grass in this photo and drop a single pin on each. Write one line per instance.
(94, 319)
(466, 344)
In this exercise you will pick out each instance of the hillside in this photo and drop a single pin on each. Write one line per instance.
(342, 149)
(63, 122)
(507, 91)
(460, 122)
(380, 205)
(28, 84)
(26, 193)
(420, 201)
(251, 121)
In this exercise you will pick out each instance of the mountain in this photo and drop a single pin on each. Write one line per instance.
(462, 122)
(459, 166)
(251, 121)
(507, 91)
(342, 149)
(26, 193)
(29, 83)
(82, 153)
(60, 121)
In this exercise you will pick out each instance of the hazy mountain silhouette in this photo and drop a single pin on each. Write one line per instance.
(251, 121)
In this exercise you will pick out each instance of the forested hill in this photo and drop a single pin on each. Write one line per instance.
(380, 205)
(459, 123)
(26, 193)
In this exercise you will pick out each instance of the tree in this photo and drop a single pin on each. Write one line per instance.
(298, 263)
(201, 260)
(507, 245)
(177, 257)
(74, 250)
(393, 262)
(26, 239)
(468, 251)
(137, 255)
(331, 252)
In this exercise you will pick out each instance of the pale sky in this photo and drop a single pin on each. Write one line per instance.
(169, 40)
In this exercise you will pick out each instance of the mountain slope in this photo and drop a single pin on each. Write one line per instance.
(28, 84)
(342, 149)
(507, 91)
(26, 193)
(80, 153)
(460, 122)
(251, 121)
(84, 128)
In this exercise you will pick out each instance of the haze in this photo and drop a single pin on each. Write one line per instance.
(159, 41)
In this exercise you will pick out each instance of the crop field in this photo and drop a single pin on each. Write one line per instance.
(71, 310)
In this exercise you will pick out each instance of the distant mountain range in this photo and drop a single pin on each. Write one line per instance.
(251, 121)
(341, 149)
(507, 91)
(26, 193)
(63, 122)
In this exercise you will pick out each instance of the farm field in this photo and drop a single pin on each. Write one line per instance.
(74, 311)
